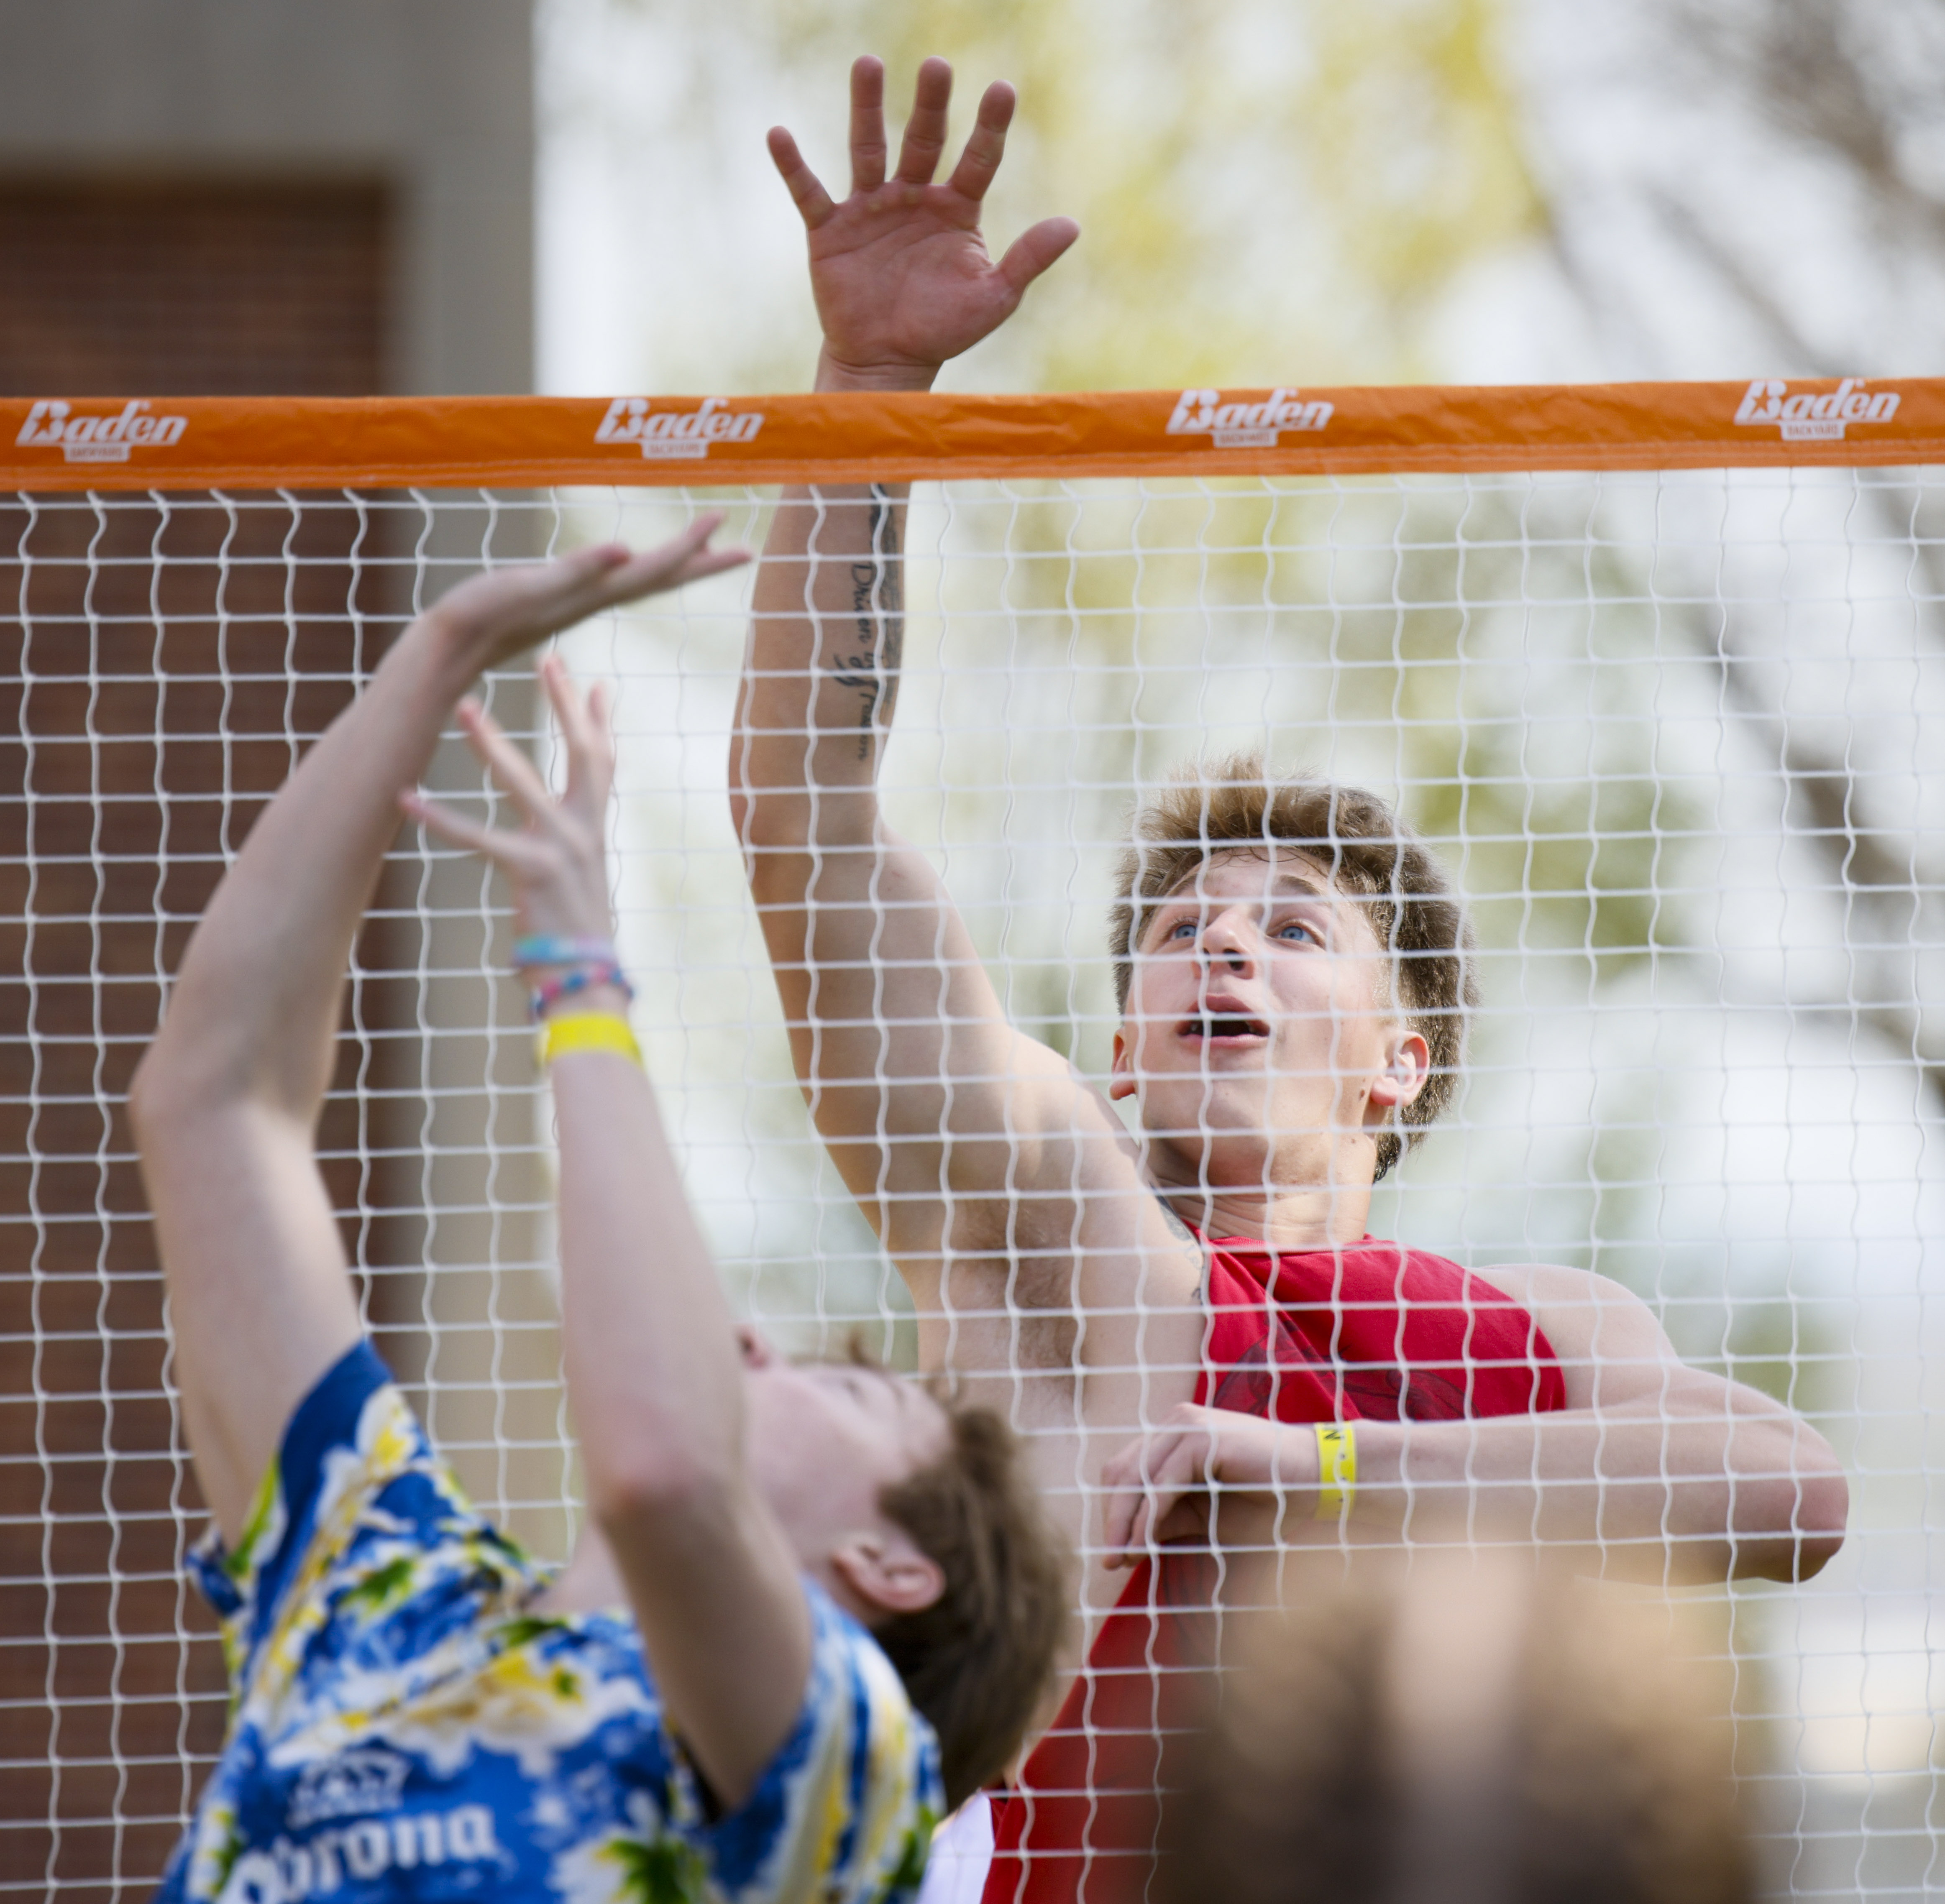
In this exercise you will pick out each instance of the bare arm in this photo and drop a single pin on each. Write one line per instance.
(654, 1379)
(225, 1102)
(965, 1142)
(1653, 1471)
(920, 1088)
(912, 1070)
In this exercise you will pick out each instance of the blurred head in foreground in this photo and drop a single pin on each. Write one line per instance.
(1474, 1737)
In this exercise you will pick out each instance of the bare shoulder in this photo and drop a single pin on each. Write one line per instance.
(1547, 1285)
(1608, 1341)
(1177, 1227)
(1183, 1277)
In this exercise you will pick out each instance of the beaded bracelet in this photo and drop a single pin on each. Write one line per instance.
(560, 949)
(549, 992)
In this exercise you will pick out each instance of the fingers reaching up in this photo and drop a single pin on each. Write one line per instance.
(868, 148)
(494, 616)
(813, 203)
(899, 269)
(556, 864)
(986, 145)
(924, 142)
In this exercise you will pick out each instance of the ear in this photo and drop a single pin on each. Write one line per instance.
(890, 1574)
(1121, 1070)
(1407, 1064)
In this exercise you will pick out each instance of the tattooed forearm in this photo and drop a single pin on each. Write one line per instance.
(877, 610)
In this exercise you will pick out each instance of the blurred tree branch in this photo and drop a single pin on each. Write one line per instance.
(1859, 84)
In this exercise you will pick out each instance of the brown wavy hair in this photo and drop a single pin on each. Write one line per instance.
(1371, 855)
(978, 1661)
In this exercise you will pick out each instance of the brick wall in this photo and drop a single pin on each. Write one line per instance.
(192, 289)
(147, 690)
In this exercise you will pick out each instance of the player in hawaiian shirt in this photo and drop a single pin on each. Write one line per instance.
(694, 1707)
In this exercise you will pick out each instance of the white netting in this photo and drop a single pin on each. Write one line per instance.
(1672, 732)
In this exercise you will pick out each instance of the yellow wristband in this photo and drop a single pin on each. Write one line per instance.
(1336, 1470)
(587, 1031)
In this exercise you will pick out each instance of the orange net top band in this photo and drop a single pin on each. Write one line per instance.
(82, 443)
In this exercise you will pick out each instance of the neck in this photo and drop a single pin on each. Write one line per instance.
(591, 1582)
(1314, 1215)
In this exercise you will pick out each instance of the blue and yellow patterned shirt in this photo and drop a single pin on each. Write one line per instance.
(402, 1726)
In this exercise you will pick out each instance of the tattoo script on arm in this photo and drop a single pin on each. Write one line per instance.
(877, 609)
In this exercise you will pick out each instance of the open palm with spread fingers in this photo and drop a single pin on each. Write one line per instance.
(487, 619)
(900, 272)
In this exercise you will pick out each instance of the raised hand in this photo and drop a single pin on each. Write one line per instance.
(899, 270)
(489, 618)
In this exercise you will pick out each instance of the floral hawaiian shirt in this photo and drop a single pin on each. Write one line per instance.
(402, 1726)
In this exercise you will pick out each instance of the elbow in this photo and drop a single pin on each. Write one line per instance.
(1806, 1515)
(769, 826)
(163, 1093)
(1822, 1519)
(179, 1084)
(145, 1089)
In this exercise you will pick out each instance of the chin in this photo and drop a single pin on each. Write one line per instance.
(1242, 1106)
(1222, 1154)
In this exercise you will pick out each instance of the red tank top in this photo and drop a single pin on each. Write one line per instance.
(1376, 1331)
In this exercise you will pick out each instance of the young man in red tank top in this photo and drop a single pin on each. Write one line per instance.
(1195, 1314)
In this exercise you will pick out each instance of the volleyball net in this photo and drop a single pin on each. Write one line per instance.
(1660, 670)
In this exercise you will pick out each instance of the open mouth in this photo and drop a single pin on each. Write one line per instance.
(1224, 1028)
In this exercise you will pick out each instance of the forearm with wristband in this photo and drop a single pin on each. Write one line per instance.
(574, 965)
(1336, 1470)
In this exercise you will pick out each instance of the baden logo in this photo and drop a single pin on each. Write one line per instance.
(1245, 426)
(1808, 418)
(96, 439)
(686, 433)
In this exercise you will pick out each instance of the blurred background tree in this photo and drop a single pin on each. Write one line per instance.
(1285, 190)
(1265, 189)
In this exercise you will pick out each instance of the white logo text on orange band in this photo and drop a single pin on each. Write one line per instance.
(680, 433)
(1806, 418)
(1245, 426)
(97, 439)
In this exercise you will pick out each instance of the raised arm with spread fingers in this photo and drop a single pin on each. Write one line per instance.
(226, 1103)
(966, 1144)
